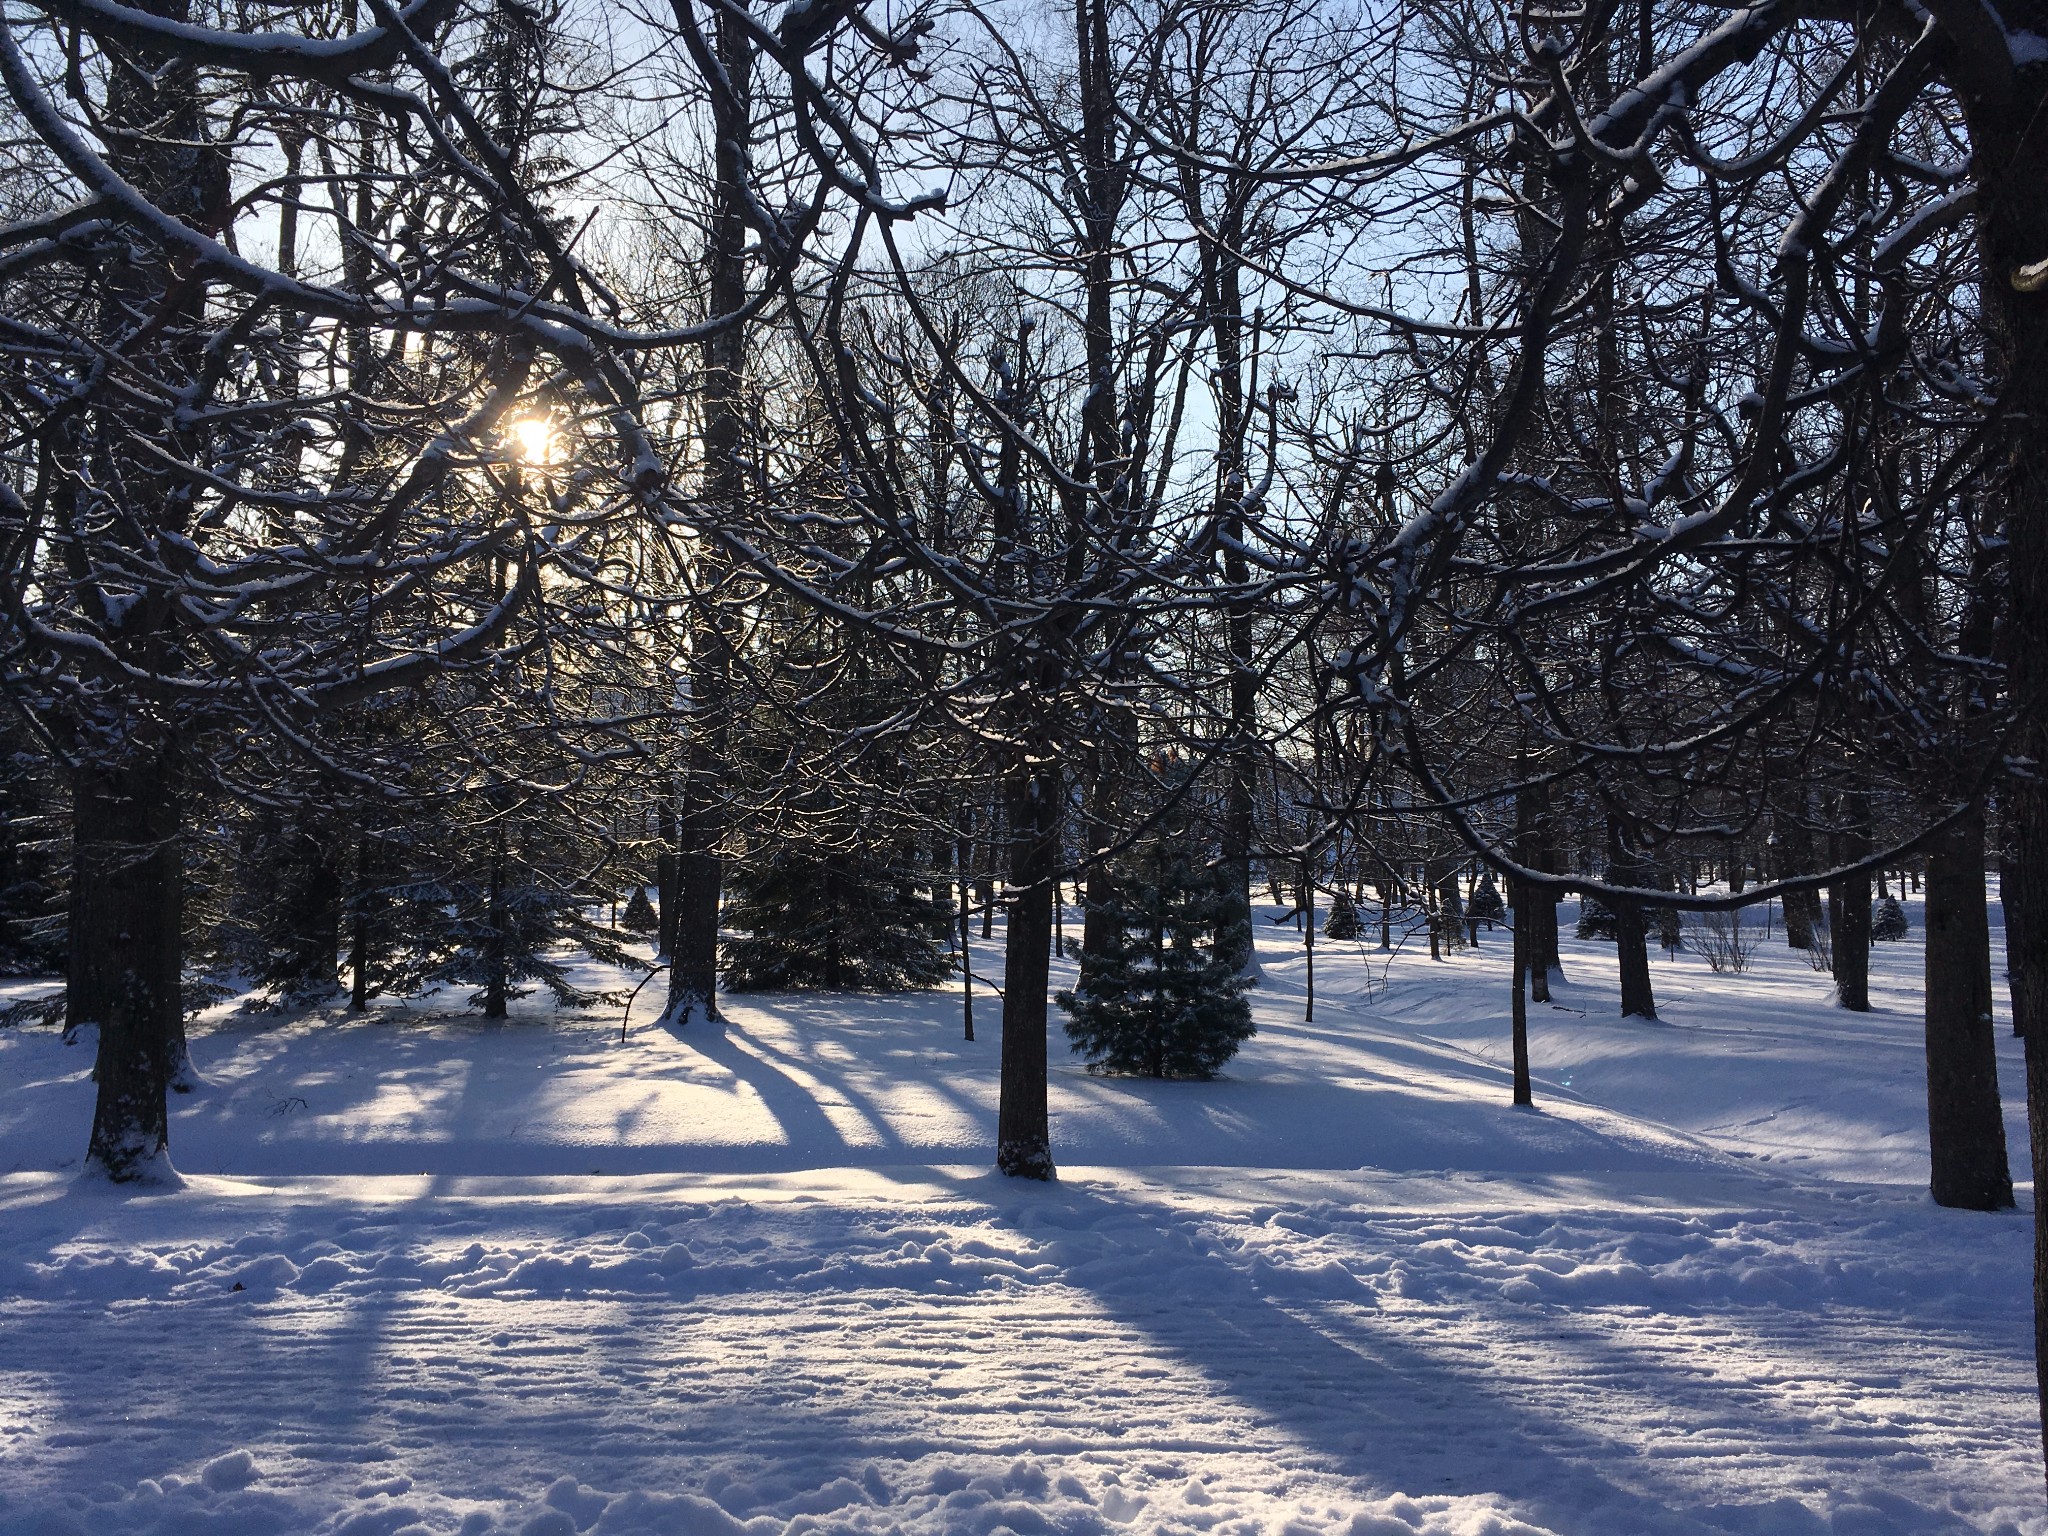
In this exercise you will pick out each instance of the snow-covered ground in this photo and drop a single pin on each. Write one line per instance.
(433, 1275)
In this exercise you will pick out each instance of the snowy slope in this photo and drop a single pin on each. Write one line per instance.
(527, 1278)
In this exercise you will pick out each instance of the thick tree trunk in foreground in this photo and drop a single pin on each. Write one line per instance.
(1965, 1126)
(1537, 910)
(2010, 165)
(693, 951)
(126, 949)
(1023, 1131)
(699, 862)
(1632, 947)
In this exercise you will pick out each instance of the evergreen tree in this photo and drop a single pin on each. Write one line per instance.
(1343, 922)
(866, 919)
(1670, 932)
(1889, 925)
(278, 896)
(1596, 919)
(639, 916)
(1160, 1000)
(499, 907)
(1486, 903)
(34, 853)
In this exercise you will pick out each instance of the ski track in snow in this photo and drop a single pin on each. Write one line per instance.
(1345, 1291)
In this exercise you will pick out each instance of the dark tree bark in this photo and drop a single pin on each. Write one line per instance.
(1023, 1130)
(1795, 857)
(126, 911)
(1849, 920)
(126, 953)
(359, 930)
(701, 826)
(2009, 162)
(1631, 936)
(1308, 939)
(306, 931)
(1965, 1126)
(1537, 910)
(963, 852)
(2012, 888)
(1631, 944)
(1524, 1095)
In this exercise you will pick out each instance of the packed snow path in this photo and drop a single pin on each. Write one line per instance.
(429, 1275)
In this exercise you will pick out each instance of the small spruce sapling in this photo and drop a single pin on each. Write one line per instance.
(639, 916)
(1889, 924)
(1343, 922)
(1486, 903)
(1596, 919)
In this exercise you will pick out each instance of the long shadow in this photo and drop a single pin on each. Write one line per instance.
(810, 1139)
(1352, 1396)
(1378, 1410)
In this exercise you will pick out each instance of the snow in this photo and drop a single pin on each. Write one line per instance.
(428, 1274)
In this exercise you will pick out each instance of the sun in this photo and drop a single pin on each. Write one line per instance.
(532, 439)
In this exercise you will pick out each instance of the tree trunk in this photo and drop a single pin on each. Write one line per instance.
(1520, 1007)
(1965, 1126)
(985, 887)
(1308, 934)
(359, 931)
(1802, 907)
(126, 951)
(126, 913)
(311, 928)
(2012, 887)
(1631, 936)
(1535, 848)
(963, 846)
(496, 947)
(2010, 167)
(1023, 1131)
(1849, 921)
(1451, 902)
(1631, 945)
(700, 863)
(669, 908)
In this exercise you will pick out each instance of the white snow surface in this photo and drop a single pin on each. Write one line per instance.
(431, 1275)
